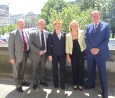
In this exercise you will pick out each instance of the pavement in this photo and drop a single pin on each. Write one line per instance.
(7, 90)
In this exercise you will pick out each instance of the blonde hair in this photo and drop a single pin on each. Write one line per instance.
(57, 21)
(72, 22)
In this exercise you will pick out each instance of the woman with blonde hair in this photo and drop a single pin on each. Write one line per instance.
(75, 46)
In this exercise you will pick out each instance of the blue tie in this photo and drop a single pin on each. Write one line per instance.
(42, 41)
(95, 27)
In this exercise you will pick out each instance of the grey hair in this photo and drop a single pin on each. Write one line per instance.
(20, 20)
(40, 21)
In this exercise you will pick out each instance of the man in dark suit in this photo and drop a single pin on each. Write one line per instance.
(56, 52)
(18, 52)
(38, 55)
(97, 38)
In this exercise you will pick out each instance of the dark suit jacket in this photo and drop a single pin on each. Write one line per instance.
(56, 46)
(98, 39)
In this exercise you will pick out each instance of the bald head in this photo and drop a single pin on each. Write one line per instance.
(95, 16)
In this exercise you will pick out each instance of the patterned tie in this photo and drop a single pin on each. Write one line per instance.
(24, 41)
(42, 41)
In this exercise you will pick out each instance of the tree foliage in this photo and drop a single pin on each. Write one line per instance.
(111, 15)
(65, 13)
(56, 5)
(4, 29)
(79, 10)
(85, 4)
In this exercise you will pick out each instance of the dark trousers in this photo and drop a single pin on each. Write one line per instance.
(77, 62)
(61, 61)
(92, 62)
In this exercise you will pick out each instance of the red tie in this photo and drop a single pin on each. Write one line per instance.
(24, 42)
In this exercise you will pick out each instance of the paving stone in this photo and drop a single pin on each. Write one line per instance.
(7, 90)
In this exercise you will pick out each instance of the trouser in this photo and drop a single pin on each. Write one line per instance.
(61, 61)
(39, 69)
(92, 62)
(19, 69)
(77, 62)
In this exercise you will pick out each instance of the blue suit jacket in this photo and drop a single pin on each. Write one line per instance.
(98, 38)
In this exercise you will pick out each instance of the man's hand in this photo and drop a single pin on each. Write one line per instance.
(41, 52)
(50, 58)
(95, 51)
(12, 61)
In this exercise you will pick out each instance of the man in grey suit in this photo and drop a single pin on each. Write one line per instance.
(18, 51)
(38, 49)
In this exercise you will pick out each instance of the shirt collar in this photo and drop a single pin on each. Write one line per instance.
(97, 23)
(39, 30)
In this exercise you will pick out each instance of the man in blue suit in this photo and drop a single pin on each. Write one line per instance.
(97, 38)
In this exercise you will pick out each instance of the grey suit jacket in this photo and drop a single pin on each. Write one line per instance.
(15, 46)
(34, 43)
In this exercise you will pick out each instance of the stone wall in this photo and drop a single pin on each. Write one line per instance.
(6, 67)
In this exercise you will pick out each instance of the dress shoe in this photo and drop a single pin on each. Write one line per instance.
(55, 86)
(80, 88)
(25, 83)
(62, 87)
(104, 95)
(35, 86)
(75, 87)
(44, 84)
(19, 89)
(87, 87)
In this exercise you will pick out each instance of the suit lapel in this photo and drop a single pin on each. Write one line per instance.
(46, 35)
(18, 35)
(55, 35)
(79, 34)
(62, 35)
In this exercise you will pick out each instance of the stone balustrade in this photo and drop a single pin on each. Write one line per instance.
(6, 67)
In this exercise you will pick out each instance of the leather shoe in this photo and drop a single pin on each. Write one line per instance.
(63, 87)
(25, 83)
(19, 89)
(80, 88)
(104, 95)
(55, 86)
(89, 87)
(75, 87)
(35, 86)
(44, 84)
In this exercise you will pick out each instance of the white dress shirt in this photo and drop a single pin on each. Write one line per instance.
(59, 36)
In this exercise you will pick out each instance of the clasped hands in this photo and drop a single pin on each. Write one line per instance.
(95, 51)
